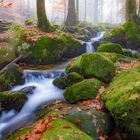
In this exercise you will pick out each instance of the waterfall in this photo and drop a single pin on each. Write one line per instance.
(44, 93)
(89, 45)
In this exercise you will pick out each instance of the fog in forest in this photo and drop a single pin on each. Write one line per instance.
(95, 11)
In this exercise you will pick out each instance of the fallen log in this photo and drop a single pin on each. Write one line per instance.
(19, 58)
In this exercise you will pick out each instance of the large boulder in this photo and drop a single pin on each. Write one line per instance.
(68, 80)
(87, 89)
(122, 99)
(12, 100)
(56, 129)
(12, 76)
(110, 47)
(93, 65)
(97, 65)
(45, 48)
(85, 118)
(128, 35)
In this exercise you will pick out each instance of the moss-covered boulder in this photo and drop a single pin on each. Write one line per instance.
(86, 119)
(11, 76)
(61, 129)
(94, 65)
(68, 80)
(6, 54)
(97, 65)
(12, 100)
(45, 48)
(64, 130)
(110, 47)
(74, 65)
(127, 35)
(87, 89)
(114, 57)
(122, 99)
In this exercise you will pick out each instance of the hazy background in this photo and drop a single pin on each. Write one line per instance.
(96, 11)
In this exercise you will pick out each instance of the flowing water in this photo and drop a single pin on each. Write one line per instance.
(44, 93)
(89, 45)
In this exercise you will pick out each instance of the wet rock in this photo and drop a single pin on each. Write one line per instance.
(87, 89)
(28, 90)
(96, 44)
(11, 77)
(68, 80)
(12, 100)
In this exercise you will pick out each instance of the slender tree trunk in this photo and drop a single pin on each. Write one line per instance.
(77, 9)
(71, 16)
(85, 16)
(131, 14)
(43, 22)
(96, 7)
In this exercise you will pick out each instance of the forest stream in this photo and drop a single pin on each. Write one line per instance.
(42, 92)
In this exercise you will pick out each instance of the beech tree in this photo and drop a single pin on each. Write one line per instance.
(43, 22)
(131, 11)
(71, 16)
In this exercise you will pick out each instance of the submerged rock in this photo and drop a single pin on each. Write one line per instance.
(87, 89)
(12, 100)
(68, 80)
(12, 76)
(28, 90)
(122, 99)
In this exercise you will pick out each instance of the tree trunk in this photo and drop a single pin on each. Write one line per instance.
(43, 22)
(71, 16)
(77, 9)
(131, 15)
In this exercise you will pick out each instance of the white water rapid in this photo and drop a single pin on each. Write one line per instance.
(89, 45)
(44, 93)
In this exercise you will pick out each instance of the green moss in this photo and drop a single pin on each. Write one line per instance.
(10, 77)
(17, 39)
(132, 32)
(87, 120)
(127, 35)
(122, 99)
(110, 47)
(6, 54)
(74, 65)
(30, 21)
(46, 50)
(115, 35)
(60, 132)
(17, 134)
(97, 65)
(87, 89)
(114, 57)
(68, 80)
(12, 100)
(94, 65)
